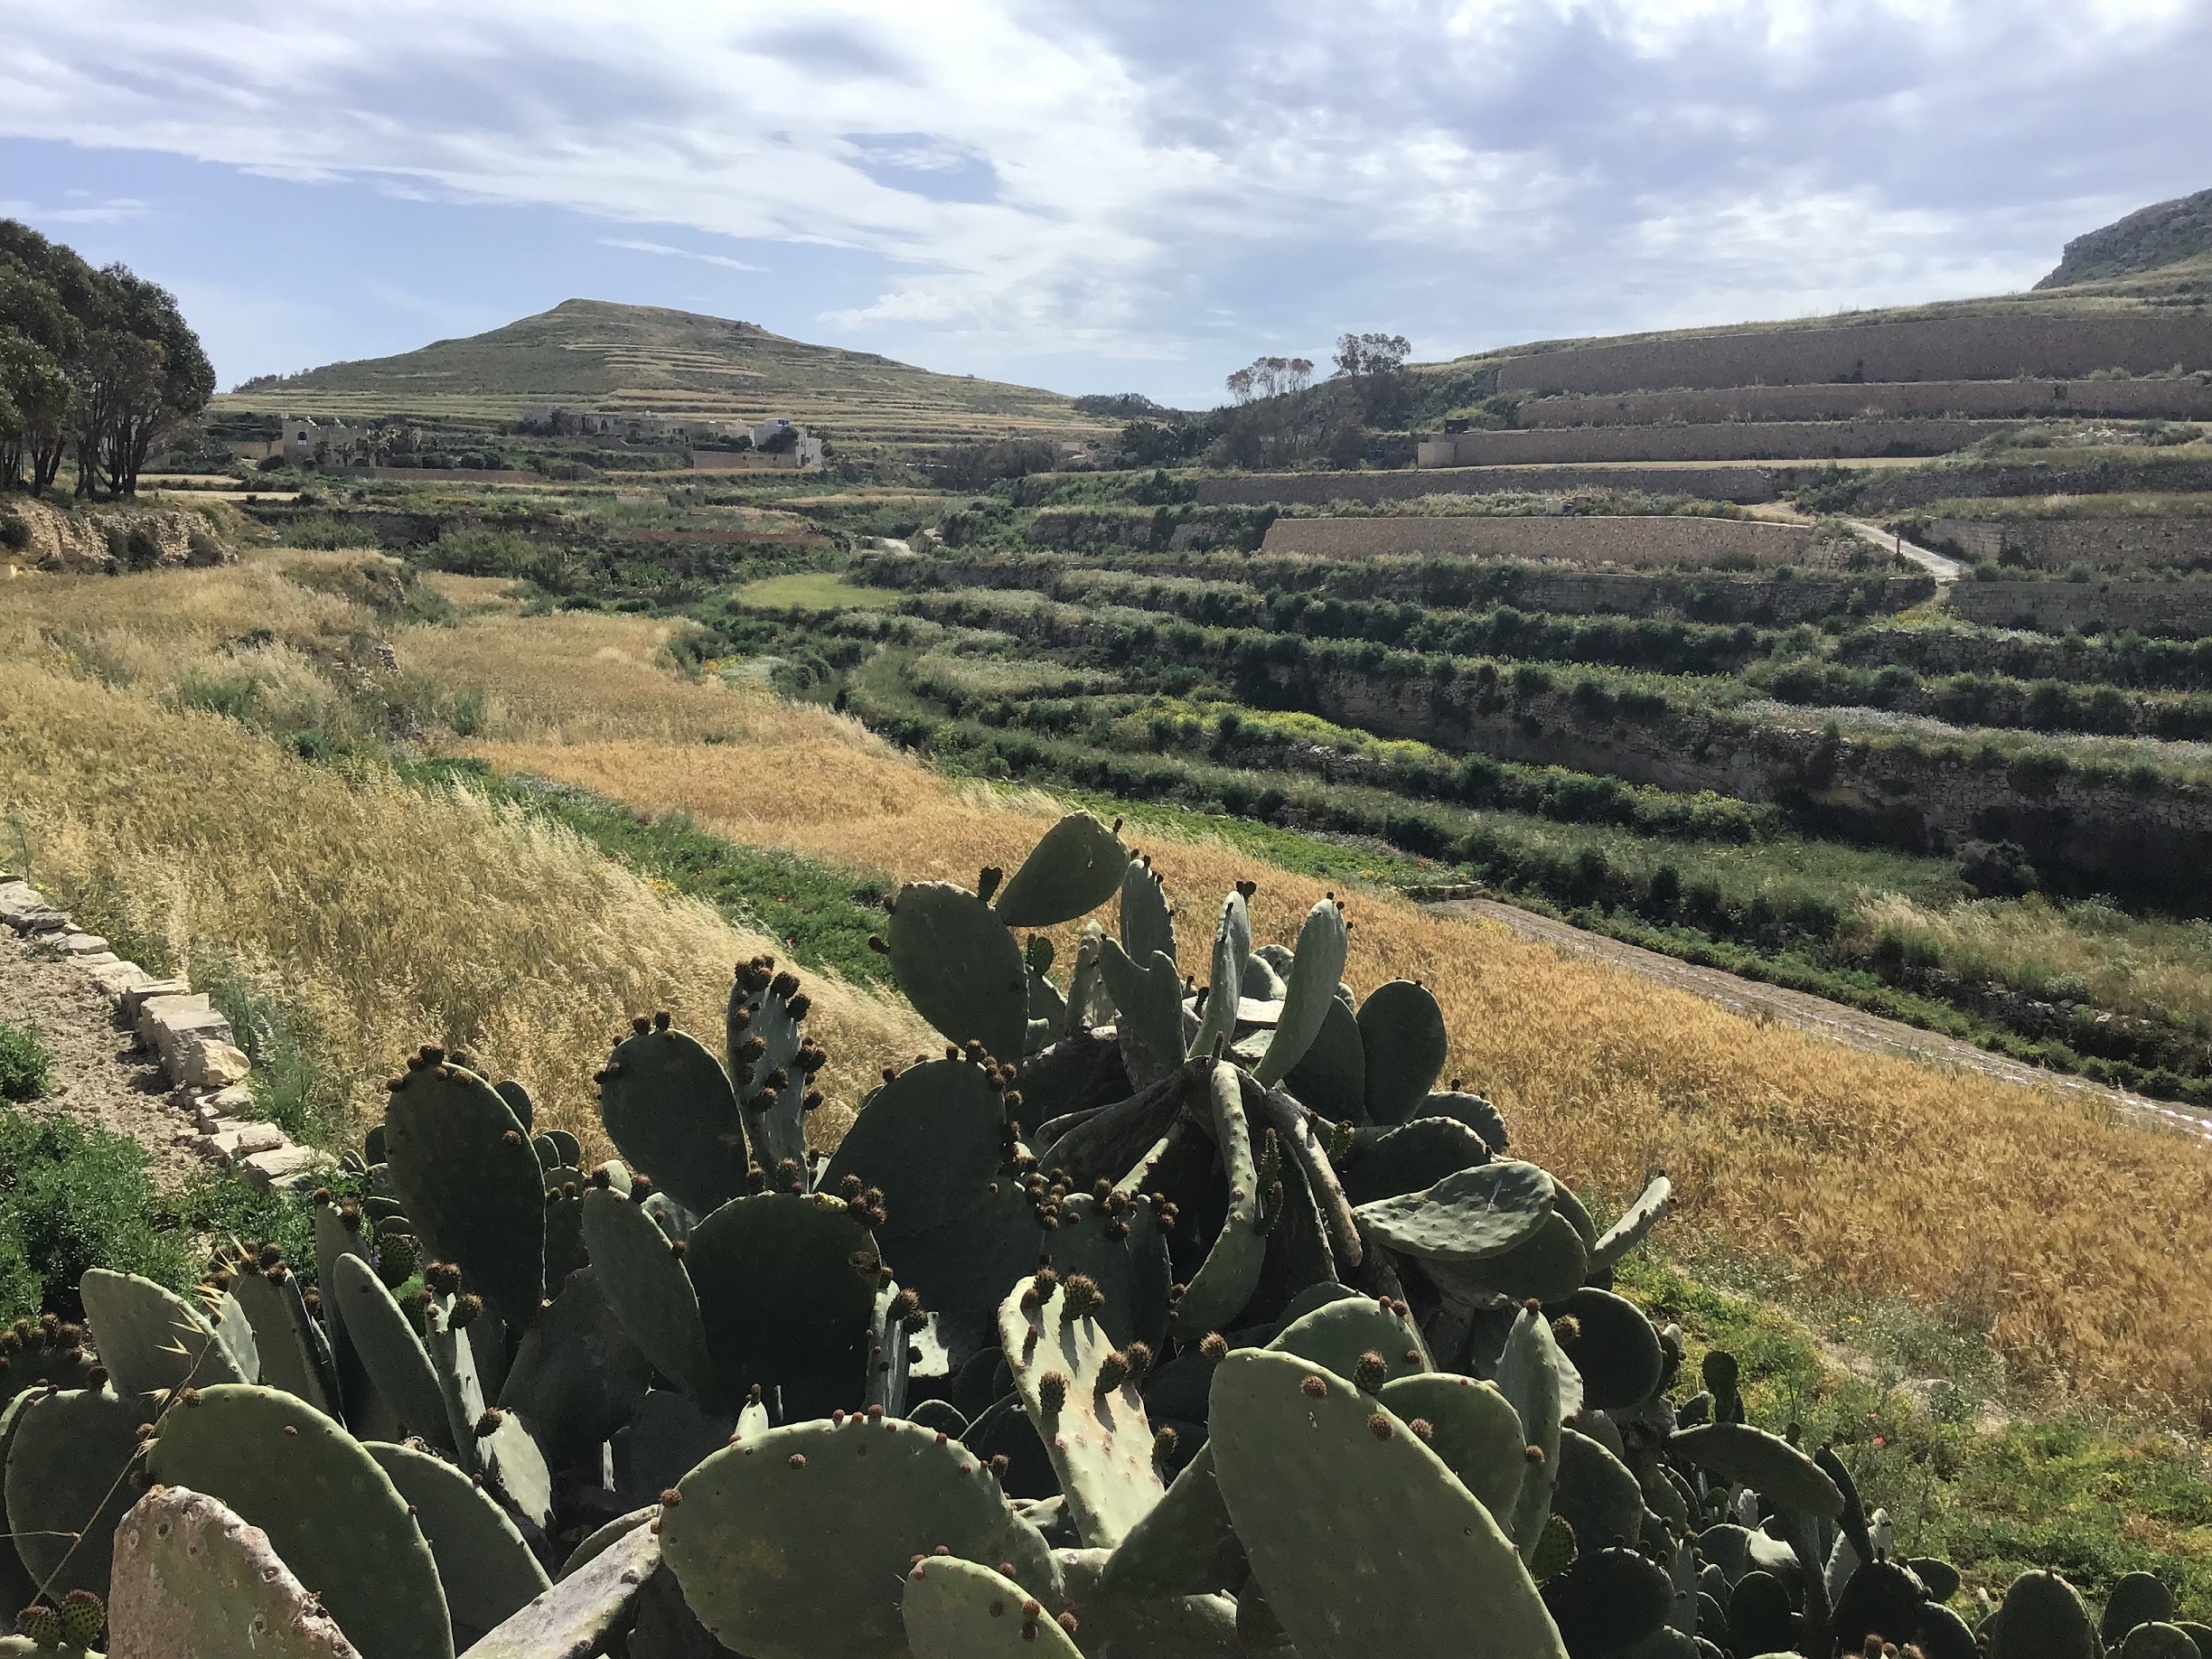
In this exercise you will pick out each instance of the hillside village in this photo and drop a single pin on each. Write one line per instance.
(1557, 1000)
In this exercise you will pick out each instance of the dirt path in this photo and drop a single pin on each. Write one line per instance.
(1817, 1015)
(99, 1075)
(1944, 570)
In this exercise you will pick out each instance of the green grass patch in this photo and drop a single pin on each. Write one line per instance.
(820, 913)
(26, 1065)
(814, 590)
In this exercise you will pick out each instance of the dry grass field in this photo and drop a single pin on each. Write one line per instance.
(2076, 1243)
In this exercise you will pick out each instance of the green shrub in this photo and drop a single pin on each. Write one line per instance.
(26, 1066)
(71, 1198)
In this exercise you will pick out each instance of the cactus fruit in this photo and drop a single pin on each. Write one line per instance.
(1770, 1465)
(1095, 1432)
(648, 1289)
(486, 1569)
(262, 1453)
(956, 1609)
(960, 966)
(1117, 1243)
(795, 1543)
(476, 1195)
(1403, 1040)
(670, 1108)
(67, 1456)
(1394, 1509)
(1077, 866)
(1317, 968)
(149, 1338)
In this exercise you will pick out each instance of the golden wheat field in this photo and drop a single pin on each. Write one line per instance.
(402, 914)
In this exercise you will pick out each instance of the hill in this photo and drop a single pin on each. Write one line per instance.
(2152, 239)
(594, 354)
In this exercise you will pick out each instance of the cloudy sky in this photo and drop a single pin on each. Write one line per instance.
(1112, 195)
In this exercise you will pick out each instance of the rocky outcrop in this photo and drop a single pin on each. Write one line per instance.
(101, 539)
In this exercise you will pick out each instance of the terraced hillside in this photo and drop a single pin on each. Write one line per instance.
(593, 354)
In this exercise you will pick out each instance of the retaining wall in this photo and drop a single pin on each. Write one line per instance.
(1637, 543)
(2132, 399)
(2162, 609)
(2050, 344)
(1710, 484)
(2057, 544)
(109, 538)
(1728, 440)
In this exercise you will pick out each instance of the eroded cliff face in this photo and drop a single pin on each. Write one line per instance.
(105, 538)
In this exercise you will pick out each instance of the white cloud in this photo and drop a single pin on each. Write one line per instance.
(636, 245)
(1041, 177)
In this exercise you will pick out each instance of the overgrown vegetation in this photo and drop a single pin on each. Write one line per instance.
(26, 1065)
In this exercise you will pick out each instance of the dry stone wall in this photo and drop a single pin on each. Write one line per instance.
(194, 1042)
(2130, 399)
(1711, 484)
(1630, 542)
(1728, 440)
(2059, 544)
(2049, 344)
(2162, 609)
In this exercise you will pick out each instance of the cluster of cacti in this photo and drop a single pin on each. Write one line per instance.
(1154, 1318)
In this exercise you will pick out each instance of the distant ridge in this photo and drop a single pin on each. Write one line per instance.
(2150, 239)
(595, 355)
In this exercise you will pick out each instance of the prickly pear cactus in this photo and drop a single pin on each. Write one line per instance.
(1316, 968)
(485, 1569)
(69, 1454)
(650, 1289)
(333, 1516)
(960, 966)
(1402, 1041)
(795, 1543)
(192, 1578)
(1284, 1429)
(670, 1110)
(956, 1609)
(1231, 1272)
(1082, 1394)
(149, 1338)
(771, 1063)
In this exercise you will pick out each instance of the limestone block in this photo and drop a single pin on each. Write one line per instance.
(96, 959)
(139, 996)
(163, 1020)
(240, 1141)
(200, 1060)
(230, 1102)
(82, 944)
(287, 1166)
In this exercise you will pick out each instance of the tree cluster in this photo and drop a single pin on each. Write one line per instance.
(95, 365)
(1271, 376)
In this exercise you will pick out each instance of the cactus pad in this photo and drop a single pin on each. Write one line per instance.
(960, 967)
(487, 1571)
(295, 1353)
(1341, 1332)
(956, 1609)
(66, 1456)
(1402, 1037)
(193, 1578)
(333, 1515)
(1331, 1075)
(1473, 1428)
(670, 1110)
(1530, 1373)
(1633, 1224)
(464, 1169)
(930, 1140)
(1146, 921)
(149, 1338)
(1394, 1512)
(1316, 971)
(648, 1289)
(2040, 1617)
(787, 1287)
(591, 1603)
(1076, 867)
(1771, 1466)
(1614, 1348)
(1147, 997)
(1231, 1272)
(796, 1543)
(1095, 1432)
(393, 1354)
(1408, 1157)
(1224, 995)
(1470, 1215)
(1595, 1494)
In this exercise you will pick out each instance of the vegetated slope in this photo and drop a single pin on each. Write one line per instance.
(593, 354)
(2151, 238)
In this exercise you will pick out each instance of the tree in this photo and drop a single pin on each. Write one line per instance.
(102, 361)
(1271, 376)
(1366, 354)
